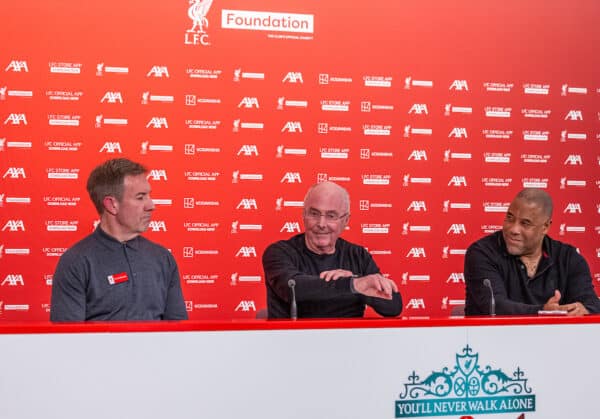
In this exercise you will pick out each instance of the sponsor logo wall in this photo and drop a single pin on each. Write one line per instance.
(238, 107)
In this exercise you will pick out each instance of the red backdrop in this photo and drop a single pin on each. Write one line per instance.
(432, 115)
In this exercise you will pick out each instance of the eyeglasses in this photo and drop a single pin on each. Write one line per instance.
(330, 217)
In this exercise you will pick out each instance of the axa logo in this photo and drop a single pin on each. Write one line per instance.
(249, 103)
(573, 208)
(456, 278)
(290, 227)
(15, 173)
(246, 252)
(417, 206)
(157, 174)
(246, 305)
(111, 147)
(247, 204)
(248, 150)
(416, 303)
(292, 127)
(458, 132)
(13, 280)
(574, 115)
(573, 160)
(14, 225)
(158, 71)
(416, 252)
(17, 66)
(459, 85)
(418, 155)
(157, 122)
(418, 109)
(291, 177)
(197, 13)
(457, 229)
(157, 226)
(293, 77)
(16, 119)
(112, 97)
(457, 181)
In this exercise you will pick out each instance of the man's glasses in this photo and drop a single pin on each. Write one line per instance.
(330, 217)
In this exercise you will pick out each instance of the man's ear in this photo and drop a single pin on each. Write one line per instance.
(111, 205)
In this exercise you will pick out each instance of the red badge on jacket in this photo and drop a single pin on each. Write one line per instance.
(117, 278)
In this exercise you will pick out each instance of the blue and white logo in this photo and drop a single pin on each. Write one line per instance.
(465, 389)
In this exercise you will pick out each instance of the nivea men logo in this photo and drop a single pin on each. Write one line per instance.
(112, 97)
(158, 71)
(157, 174)
(246, 252)
(13, 280)
(17, 66)
(458, 132)
(157, 122)
(16, 119)
(14, 225)
(293, 77)
(573, 208)
(15, 173)
(291, 177)
(459, 85)
(574, 115)
(247, 204)
(416, 252)
(418, 109)
(197, 12)
(290, 227)
(249, 103)
(111, 147)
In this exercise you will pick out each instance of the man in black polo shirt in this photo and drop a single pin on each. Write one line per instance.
(333, 277)
(527, 270)
(115, 273)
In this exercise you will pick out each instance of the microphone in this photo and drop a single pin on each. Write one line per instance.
(293, 306)
(488, 284)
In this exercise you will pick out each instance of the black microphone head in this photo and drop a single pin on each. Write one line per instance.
(487, 282)
(291, 283)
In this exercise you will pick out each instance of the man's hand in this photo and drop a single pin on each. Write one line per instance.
(335, 274)
(572, 309)
(552, 303)
(375, 285)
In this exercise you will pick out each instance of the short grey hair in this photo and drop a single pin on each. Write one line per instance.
(539, 197)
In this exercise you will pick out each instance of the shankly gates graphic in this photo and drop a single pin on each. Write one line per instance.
(432, 115)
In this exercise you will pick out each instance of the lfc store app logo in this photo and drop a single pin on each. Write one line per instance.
(197, 12)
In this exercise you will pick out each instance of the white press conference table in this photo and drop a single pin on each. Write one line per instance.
(301, 369)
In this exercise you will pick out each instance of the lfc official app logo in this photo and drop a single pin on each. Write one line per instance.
(465, 389)
(197, 12)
